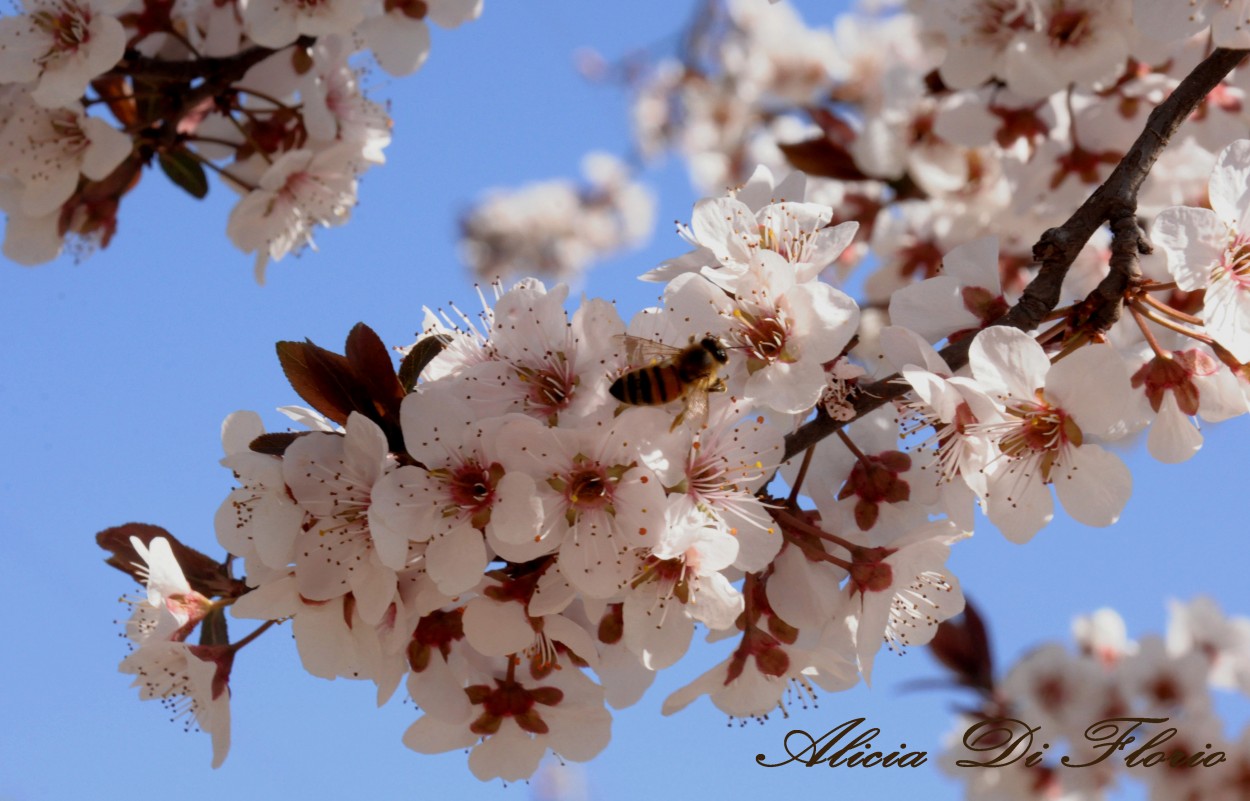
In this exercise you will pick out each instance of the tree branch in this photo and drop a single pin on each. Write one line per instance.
(1115, 200)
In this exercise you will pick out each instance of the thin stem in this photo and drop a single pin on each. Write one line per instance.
(248, 135)
(851, 446)
(1051, 333)
(182, 40)
(1058, 313)
(220, 171)
(799, 524)
(259, 630)
(212, 140)
(798, 481)
(269, 99)
(1169, 311)
(1146, 332)
(1166, 323)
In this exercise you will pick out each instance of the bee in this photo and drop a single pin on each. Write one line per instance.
(672, 373)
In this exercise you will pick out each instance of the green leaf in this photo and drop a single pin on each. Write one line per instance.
(185, 171)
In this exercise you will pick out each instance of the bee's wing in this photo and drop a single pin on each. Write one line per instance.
(695, 412)
(640, 351)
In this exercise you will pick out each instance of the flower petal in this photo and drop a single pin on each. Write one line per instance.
(1095, 487)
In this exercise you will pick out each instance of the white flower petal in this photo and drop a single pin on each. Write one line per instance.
(1193, 241)
(1008, 361)
(1095, 486)
(494, 628)
(1017, 502)
(1229, 188)
(457, 560)
(1226, 313)
(1173, 436)
(1092, 385)
(510, 754)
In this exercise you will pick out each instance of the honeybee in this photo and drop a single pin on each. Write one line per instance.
(672, 373)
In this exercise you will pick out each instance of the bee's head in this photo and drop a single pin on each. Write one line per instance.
(713, 346)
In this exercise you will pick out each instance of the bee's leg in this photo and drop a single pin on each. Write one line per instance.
(677, 421)
(719, 386)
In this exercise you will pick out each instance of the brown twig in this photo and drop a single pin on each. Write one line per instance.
(1114, 201)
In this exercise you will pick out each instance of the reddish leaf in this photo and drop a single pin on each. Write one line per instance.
(275, 443)
(322, 378)
(206, 575)
(835, 128)
(823, 157)
(363, 381)
(372, 363)
(419, 357)
(116, 93)
(963, 645)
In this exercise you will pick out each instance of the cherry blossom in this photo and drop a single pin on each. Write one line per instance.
(275, 23)
(490, 529)
(301, 189)
(965, 298)
(46, 151)
(332, 476)
(188, 681)
(462, 494)
(599, 503)
(1206, 249)
(60, 45)
(1049, 412)
(510, 723)
(556, 228)
(260, 520)
(899, 592)
(1178, 386)
(1229, 21)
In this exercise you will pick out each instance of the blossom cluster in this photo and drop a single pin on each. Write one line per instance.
(944, 122)
(263, 93)
(537, 510)
(556, 229)
(513, 514)
(1082, 703)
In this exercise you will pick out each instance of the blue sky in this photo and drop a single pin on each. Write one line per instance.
(119, 370)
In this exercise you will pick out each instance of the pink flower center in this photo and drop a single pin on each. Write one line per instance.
(1039, 429)
(69, 135)
(996, 21)
(67, 28)
(589, 489)
(763, 335)
(1068, 28)
(788, 241)
(472, 489)
(1235, 262)
(549, 387)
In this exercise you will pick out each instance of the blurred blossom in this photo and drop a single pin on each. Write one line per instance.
(557, 229)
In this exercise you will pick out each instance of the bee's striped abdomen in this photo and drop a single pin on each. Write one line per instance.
(648, 386)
